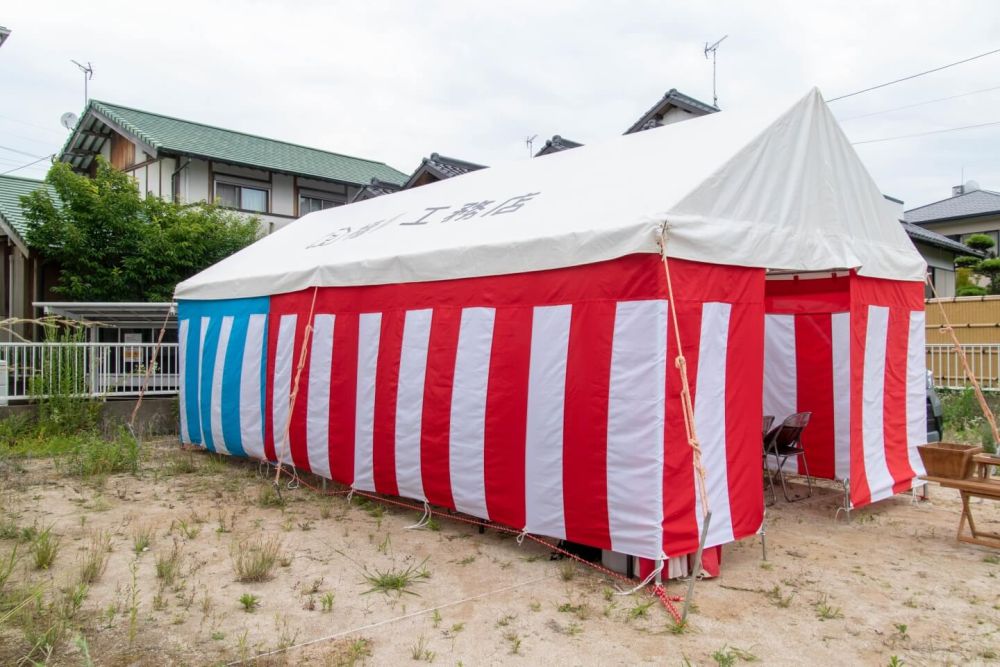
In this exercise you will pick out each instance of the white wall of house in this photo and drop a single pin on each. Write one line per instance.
(943, 263)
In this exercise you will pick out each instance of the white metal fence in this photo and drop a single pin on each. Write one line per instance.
(946, 365)
(34, 370)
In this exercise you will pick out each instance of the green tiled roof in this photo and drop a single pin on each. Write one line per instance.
(173, 135)
(11, 190)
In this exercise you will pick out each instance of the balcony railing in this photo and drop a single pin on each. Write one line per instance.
(37, 370)
(946, 365)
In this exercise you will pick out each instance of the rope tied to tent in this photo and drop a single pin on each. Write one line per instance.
(680, 362)
(424, 520)
(650, 578)
(306, 336)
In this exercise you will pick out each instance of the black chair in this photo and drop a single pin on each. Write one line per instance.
(783, 442)
(766, 426)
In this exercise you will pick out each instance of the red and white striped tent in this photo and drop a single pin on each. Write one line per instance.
(502, 343)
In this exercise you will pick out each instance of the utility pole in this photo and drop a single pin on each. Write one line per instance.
(88, 74)
(712, 49)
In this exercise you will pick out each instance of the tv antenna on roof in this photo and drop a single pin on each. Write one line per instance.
(530, 142)
(88, 74)
(712, 49)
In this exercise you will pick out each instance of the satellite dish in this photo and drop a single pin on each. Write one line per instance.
(971, 186)
(68, 120)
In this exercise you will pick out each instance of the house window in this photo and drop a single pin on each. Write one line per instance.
(309, 204)
(243, 197)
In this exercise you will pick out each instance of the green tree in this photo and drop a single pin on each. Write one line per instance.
(112, 244)
(988, 268)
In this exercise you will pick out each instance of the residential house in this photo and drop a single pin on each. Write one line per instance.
(189, 162)
(21, 276)
(970, 210)
(4, 34)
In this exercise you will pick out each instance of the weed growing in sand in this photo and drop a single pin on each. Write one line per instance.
(168, 565)
(249, 602)
(505, 620)
(133, 603)
(142, 538)
(269, 497)
(419, 651)
(395, 580)
(826, 612)
(513, 642)
(896, 661)
(254, 558)
(44, 549)
(95, 557)
(640, 609)
(992, 559)
(901, 631)
(188, 530)
(777, 599)
(224, 526)
(567, 570)
(326, 602)
(357, 650)
(727, 656)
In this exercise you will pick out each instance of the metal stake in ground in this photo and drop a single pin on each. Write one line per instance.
(697, 565)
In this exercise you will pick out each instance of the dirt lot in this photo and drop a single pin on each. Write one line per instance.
(892, 584)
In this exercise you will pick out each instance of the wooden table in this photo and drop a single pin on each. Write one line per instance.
(981, 485)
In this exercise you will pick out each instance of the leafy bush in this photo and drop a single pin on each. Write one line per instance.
(91, 454)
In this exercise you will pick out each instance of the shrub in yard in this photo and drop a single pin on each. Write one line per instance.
(92, 454)
(254, 559)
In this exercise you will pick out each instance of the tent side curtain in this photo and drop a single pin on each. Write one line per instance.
(546, 401)
(850, 350)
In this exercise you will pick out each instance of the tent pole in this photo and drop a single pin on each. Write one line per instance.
(763, 535)
(697, 565)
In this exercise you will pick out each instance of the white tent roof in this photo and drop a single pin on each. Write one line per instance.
(780, 192)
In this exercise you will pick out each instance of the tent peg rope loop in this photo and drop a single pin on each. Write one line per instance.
(680, 362)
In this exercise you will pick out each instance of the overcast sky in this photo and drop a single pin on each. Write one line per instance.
(397, 81)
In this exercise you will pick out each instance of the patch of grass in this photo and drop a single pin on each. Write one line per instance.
(168, 565)
(567, 570)
(901, 630)
(44, 549)
(91, 454)
(419, 651)
(269, 497)
(505, 620)
(254, 559)
(142, 538)
(188, 530)
(826, 612)
(640, 609)
(394, 580)
(353, 652)
(326, 602)
(249, 602)
(727, 656)
(95, 557)
(993, 559)
(777, 599)
(513, 642)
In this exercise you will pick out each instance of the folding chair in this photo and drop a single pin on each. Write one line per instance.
(783, 442)
(766, 426)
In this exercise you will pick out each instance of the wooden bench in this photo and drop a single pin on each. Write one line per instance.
(981, 485)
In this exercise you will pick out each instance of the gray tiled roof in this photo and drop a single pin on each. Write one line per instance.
(376, 188)
(968, 205)
(921, 235)
(442, 167)
(673, 98)
(556, 144)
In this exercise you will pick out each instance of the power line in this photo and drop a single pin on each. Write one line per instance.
(14, 150)
(914, 76)
(37, 127)
(924, 134)
(919, 104)
(25, 166)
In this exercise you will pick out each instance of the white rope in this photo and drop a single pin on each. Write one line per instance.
(520, 536)
(649, 578)
(424, 520)
(350, 494)
(372, 626)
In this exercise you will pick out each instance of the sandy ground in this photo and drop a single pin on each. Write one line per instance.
(892, 582)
